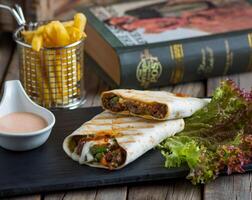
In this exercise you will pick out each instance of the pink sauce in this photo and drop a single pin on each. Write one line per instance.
(21, 122)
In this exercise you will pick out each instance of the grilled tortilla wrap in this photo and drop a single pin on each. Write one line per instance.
(112, 141)
(158, 105)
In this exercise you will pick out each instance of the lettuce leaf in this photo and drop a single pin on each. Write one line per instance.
(217, 137)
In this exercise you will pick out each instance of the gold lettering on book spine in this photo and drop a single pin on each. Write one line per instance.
(249, 68)
(148, 70)
(177, 55)
(229, 57)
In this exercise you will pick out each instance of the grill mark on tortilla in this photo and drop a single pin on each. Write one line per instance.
(181, 95)
(131, 124)
(101, 124)
(130, 134)
(135, 121)
(111, 117)
(111, 129)
(112, 133)
(120, 134)
(116, 121)
(127, 142)
(92, 132)
(128, 128)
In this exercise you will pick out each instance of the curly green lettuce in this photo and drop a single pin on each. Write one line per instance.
(217, 137)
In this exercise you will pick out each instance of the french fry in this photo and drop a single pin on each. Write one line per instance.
(49, 35)
(28, 36)
(80, 21)
(68, 23)
(37, 42)
(40, 29)
(61, 37)
(75, 34)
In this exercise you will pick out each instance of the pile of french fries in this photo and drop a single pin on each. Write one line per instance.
(57, 70)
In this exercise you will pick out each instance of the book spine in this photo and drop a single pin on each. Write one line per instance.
(186, 60)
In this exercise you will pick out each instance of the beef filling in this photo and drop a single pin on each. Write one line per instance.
(117, 104)
(108, 154)
(112, 103)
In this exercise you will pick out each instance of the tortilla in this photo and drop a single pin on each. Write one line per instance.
(133, 137)
(158, 105)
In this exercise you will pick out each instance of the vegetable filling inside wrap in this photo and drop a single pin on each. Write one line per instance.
(116, 103)
(103, 150)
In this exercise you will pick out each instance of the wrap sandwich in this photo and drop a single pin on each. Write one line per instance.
(112, 141)
(158, 105)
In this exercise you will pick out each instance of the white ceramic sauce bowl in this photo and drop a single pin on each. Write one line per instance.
(16, 100)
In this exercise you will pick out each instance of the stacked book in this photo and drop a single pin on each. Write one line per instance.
(149, 43)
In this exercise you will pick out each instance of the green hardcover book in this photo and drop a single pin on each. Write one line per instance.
(144, 44)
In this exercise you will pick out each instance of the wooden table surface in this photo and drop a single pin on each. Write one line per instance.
(226, 187)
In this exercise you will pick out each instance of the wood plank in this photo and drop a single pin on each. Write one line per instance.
(55, 196)
(196, 89)
(152, 191)
(183, 190)
(6, 50)
(179, 189)
(80, 195)
(102, 87)
(91, 86)
(229, 187)
(75, 195)
(32, 197)
(94, 86)
(244, 80)
(110, 193)
(13, 70)
(103, 193)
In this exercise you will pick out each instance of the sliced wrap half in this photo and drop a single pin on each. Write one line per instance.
(158, 105)
(112, 141)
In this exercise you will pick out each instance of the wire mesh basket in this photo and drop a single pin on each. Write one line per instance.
(52, 77)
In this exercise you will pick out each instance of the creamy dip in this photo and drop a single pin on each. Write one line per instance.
(21, 122)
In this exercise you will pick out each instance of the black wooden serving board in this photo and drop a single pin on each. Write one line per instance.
(48, 168)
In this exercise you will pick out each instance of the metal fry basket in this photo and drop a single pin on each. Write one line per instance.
(52, 77)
